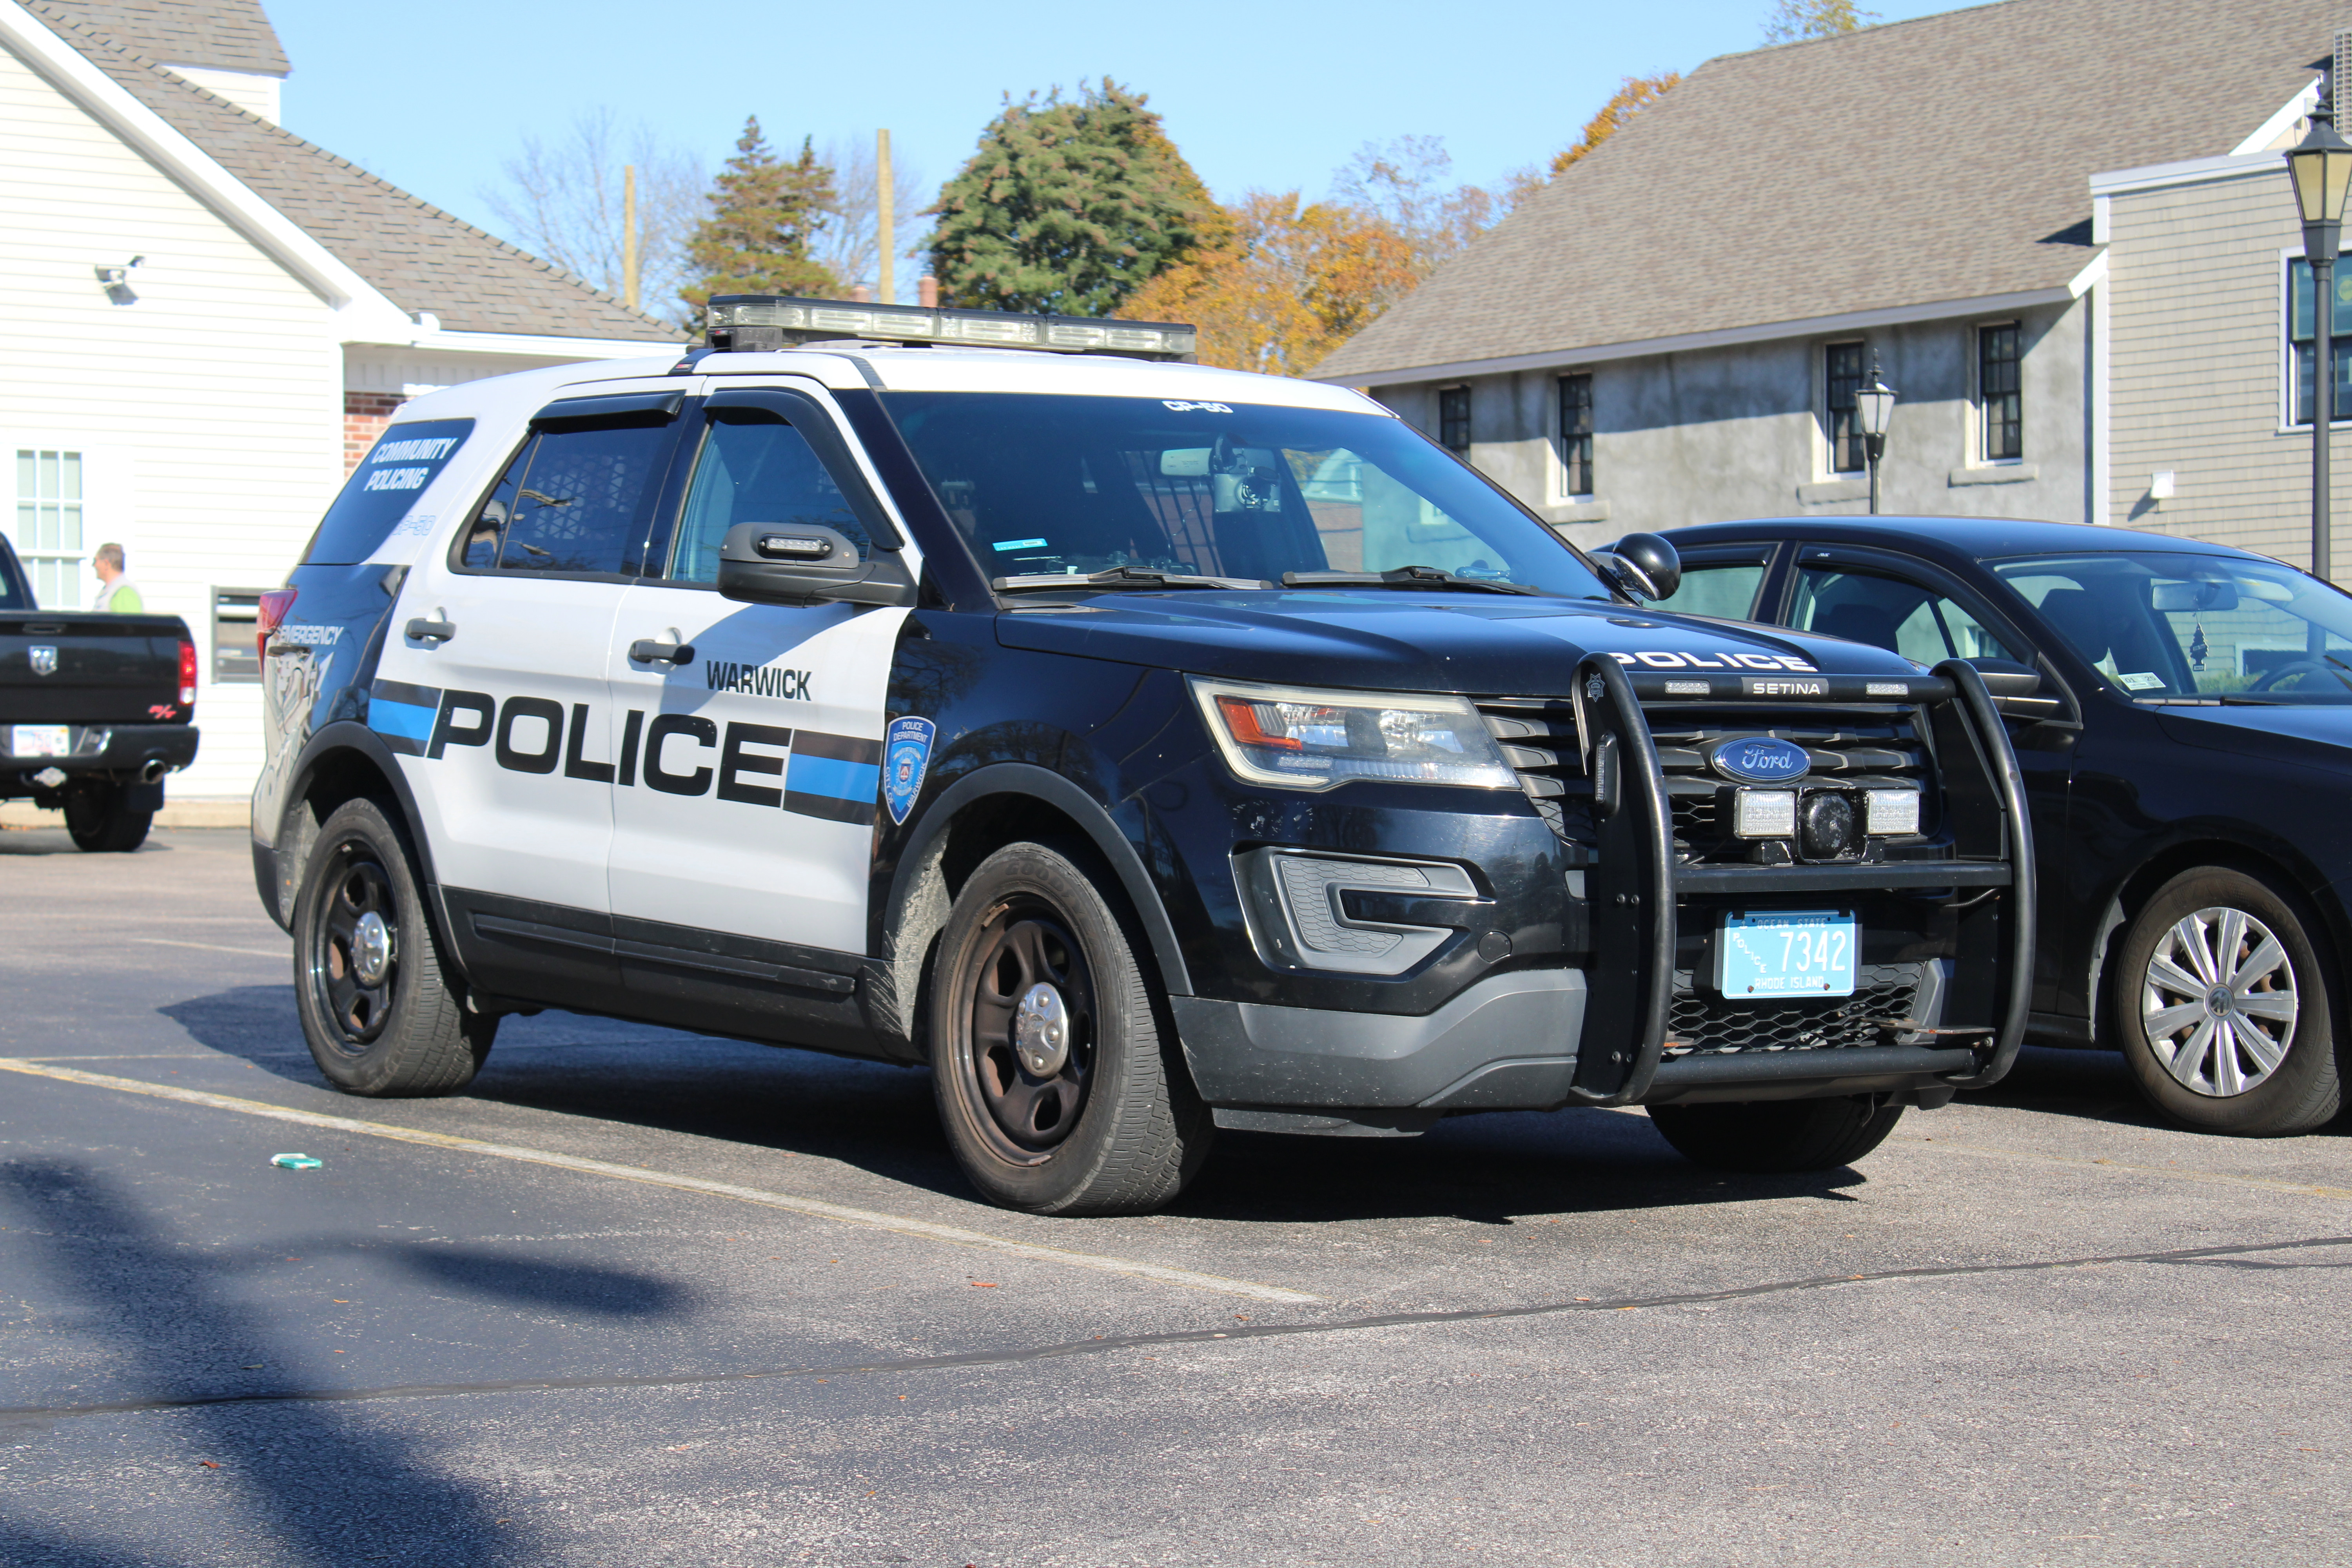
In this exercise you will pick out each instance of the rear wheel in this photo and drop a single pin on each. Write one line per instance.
(379, 1011)
(1778, 1135)
(100, 821)
(1059, 1090)
(2225, 1010)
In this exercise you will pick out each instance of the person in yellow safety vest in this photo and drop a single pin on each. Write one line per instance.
(120, 594)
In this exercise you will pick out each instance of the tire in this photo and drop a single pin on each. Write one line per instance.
(1101, 1118)
(101, 823)
(2225, 1008)
(378, 1008)
(1772, 1136)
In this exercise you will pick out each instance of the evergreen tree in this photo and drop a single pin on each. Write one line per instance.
(1069, 206)
(764, 214)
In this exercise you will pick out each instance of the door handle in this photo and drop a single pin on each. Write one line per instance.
(424, 630)
(645, 650)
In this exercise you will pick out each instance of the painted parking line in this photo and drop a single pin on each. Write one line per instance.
(2171, 1172)
(210, 947)
(870, 1219)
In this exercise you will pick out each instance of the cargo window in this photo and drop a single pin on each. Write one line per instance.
(754, 469)
(405, 459)
(575, 501)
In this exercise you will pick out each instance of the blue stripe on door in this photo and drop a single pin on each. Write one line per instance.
(805, 775)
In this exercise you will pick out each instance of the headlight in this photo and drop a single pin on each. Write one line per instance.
(1316, 740)
(1764, 814)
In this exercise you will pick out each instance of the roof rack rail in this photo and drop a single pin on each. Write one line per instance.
(751, 323)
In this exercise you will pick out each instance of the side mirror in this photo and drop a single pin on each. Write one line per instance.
(2015, 691)
(801, 563)
(1643, 566)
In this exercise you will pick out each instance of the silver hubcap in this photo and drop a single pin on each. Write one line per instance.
(371, 949)
(2219, 1002)
(1041, 1031)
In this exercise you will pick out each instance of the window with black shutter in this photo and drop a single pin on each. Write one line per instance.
(1576, 433)
(1454, 419)
(1999, 403)
(1842, 362)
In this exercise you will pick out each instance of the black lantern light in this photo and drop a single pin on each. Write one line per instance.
(1874, 408)
(2321, 164)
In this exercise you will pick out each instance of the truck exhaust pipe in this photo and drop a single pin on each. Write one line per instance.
(153, 769)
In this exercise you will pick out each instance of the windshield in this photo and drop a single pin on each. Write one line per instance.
(2162, 622)
(1056, 485)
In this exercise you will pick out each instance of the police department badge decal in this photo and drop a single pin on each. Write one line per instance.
(906, 753)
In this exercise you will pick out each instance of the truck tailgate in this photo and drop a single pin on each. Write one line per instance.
(87, 667)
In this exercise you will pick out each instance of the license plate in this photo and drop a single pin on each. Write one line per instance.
(1786, 953)
(41, 740)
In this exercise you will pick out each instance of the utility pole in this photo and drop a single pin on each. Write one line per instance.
(629, 236)
(885, 220)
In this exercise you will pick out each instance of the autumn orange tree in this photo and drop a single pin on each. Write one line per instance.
(1290, 282)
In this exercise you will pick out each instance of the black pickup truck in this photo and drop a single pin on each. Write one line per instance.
(95, 708)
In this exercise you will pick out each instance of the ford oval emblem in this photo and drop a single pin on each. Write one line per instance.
(1759, 759)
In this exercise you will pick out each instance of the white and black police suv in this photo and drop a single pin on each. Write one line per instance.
(1147, 748)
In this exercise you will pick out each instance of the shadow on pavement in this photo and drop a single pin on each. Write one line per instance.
(879, 1118)
(40, 841)
(2090, 1086)
(321, 1488)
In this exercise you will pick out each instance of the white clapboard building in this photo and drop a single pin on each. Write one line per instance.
(206, 320)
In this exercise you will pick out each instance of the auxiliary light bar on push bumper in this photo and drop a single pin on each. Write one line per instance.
(748, 323)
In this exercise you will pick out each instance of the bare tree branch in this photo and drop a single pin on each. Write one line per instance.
(848, 245)
(563, 199)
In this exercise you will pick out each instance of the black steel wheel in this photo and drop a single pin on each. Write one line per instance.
(1061, 1090)
(100, 820)
(1778, 1135)
(380, 1014)
(2225, 1009)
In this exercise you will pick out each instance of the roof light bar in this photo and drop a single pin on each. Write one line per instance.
(751, 322)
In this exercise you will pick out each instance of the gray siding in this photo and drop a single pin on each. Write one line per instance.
(2198, 366)
(1736, 432)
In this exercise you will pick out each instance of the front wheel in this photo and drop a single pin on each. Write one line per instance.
(378, 1010)
(2224, 1009)
(100, 820)
(1059, 1090)
(1774, 1136)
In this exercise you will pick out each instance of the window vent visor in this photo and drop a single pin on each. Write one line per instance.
(615, 408)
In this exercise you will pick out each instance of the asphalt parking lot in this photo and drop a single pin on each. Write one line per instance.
(648, 1297)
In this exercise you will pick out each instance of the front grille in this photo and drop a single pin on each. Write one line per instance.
(1884, 995)
(1849, 749)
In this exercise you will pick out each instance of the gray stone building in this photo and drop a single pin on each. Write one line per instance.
(1673, 330)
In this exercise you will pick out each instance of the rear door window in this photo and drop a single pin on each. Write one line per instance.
(1894, 613)
(405, 459)
(577, 500)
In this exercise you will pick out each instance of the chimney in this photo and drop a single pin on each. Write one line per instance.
(926, 292)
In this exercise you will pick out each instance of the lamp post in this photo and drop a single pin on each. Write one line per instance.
(1873, 406)
(2321, 164)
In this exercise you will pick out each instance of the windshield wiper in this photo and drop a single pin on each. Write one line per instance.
(1121, 577)
(1402, 577)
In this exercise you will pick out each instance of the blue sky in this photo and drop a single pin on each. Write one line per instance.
(434, 94)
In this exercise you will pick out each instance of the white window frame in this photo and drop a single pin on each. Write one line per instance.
(1979, 425)
(2288, 256)
(1561, 494)
(63, 589)
(1825, 466)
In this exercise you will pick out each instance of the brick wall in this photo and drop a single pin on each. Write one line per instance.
(365, 413)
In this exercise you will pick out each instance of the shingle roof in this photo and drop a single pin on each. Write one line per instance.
(422, 258)
(1945, 158)
(226, 35)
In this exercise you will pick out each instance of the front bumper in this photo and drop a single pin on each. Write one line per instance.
(119, 752)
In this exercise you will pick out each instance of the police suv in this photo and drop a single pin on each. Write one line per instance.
(1147, 748)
